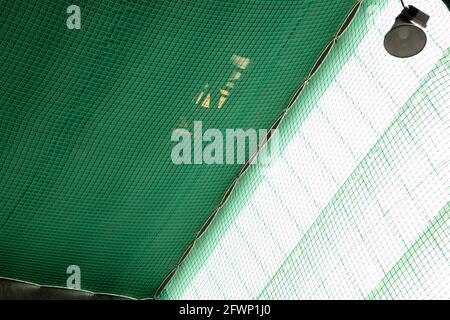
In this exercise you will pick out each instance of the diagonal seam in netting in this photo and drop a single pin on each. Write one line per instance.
(276, 124)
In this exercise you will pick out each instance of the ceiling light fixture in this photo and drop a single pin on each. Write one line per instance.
(406, 39)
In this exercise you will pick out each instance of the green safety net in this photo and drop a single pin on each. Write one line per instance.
(86, 117)
(357, 202)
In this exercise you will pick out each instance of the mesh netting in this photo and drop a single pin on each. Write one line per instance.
(357, 203)
(87, 115)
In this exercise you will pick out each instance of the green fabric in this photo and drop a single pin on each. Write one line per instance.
(86, 118)
(406, 276)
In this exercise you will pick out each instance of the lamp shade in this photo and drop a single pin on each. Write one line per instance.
(405, 39)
